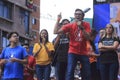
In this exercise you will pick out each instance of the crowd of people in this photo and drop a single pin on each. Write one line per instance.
(96, 53)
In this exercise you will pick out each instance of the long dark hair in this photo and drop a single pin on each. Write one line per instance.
(47, 40)
(93, 33)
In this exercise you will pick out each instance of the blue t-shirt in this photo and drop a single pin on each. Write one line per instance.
(96, 43)
(13, 69)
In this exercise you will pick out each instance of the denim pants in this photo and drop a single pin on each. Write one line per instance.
(60, 70)
(109, 71)
(43, 72)
(72, 61)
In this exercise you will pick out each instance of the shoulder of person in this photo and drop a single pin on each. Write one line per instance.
(102, 38)
(86, 23)
(36, 43)
(49, 43)
(72, 23)
(116, 38)
(21, 47)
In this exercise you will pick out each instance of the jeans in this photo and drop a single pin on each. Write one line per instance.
(109, 71)
(95, 73)
(72, 61)
(60, 70)
(43, 72)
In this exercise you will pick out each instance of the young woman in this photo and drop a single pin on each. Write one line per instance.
(108, 58)
(42, 52)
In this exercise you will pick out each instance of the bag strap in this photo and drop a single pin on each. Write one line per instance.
(38, 50)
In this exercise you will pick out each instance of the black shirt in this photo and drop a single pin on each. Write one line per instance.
(111, 55)
(62, 49)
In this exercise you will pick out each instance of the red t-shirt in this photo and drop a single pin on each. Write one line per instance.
(77, 43)
(28, 74)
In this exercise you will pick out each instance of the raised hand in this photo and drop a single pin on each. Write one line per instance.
(59, 17)
(43, 39)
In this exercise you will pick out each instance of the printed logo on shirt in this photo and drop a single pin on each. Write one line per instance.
(64, 40)
(108, 43)
(78, 36)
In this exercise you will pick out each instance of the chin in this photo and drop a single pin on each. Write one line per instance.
(79, 19)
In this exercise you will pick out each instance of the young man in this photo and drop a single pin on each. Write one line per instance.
(78, 34)
(29, 68)
(61, 44)
(13, 57)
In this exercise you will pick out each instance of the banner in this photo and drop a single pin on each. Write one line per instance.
(101, 16)
(107, 13)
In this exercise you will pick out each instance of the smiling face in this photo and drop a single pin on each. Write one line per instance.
(43, 34)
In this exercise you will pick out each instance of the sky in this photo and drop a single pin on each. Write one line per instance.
(49, 9)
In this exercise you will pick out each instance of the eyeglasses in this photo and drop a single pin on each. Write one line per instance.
(78, 14)
(15, 36)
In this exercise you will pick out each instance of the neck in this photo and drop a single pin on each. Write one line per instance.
(12, 45)
(109, 35)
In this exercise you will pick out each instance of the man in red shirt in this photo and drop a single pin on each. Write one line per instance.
(29, 68)
(79, 34)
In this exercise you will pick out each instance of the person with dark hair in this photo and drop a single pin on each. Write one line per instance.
(61, 44)
(43, 51)
(13, 57)
(79, 34)
(29, 68)
(100, 34)
(108, 56)
(92, 55)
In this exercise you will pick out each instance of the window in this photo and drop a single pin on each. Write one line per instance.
(34, 21)
(24, 15)
(5, 10)
(0, 38)
(5, 41)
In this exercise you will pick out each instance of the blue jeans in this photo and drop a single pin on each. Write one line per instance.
(43, 72)
(109, 71)
(72, 61)
(60, 70)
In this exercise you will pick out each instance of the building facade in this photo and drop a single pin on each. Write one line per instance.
(22, 16)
